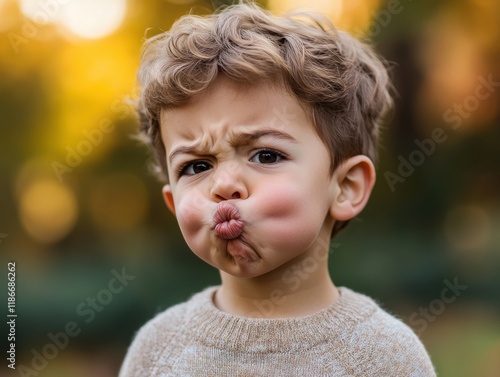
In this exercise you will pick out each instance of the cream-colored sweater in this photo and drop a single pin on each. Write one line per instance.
(353, 337)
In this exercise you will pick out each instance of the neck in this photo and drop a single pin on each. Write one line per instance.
(298, 288)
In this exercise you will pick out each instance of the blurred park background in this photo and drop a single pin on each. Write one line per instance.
(78, 207)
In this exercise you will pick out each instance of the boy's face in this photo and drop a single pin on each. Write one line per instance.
(250, 180)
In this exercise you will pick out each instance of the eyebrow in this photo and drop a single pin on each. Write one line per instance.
(240, 139)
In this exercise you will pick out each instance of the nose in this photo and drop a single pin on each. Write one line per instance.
(228, 183)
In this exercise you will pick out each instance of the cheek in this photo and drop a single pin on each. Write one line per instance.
(279, 201)
(291, 199)
(290, 214)
(190, 212)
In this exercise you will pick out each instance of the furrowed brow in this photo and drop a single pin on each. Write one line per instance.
(247, 138)
(239, 139)
(182, 150)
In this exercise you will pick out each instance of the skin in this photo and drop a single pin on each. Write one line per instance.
(255, 150)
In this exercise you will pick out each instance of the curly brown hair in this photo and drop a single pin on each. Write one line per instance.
(341, 83)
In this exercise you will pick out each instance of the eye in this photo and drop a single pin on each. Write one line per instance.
(193, 168)
(267, 156)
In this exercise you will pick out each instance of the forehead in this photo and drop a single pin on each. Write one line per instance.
(226, 106)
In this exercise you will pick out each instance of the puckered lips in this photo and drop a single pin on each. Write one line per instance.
(228, 224)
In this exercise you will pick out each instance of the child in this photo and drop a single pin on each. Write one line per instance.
(267, 130)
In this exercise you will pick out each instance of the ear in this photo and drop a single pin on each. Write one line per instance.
(168, 198)
(354, 180)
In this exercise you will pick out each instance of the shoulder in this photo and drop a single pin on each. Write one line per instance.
(383, 344)
(161, 334)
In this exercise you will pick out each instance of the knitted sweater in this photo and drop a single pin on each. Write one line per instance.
(353, 337)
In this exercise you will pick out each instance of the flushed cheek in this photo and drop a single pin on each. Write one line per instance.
(191, 215)
(287, 217)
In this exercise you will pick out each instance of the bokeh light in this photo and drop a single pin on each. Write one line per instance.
(83, 18)
(93, 18)
(33, 10)
(47, 210)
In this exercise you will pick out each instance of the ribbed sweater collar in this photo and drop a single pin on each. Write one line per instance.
(218, 329)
